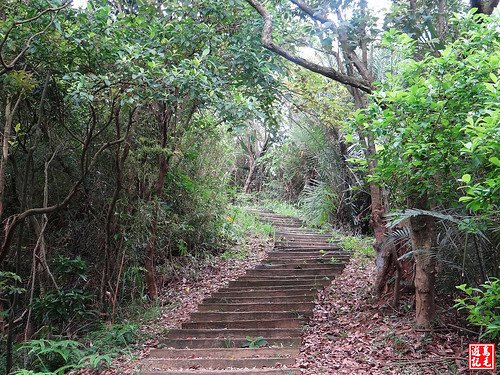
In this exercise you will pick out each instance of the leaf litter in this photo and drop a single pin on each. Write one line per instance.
(352, 332)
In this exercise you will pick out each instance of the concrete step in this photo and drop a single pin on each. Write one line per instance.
(278, 272)
(309, 248)
(284, 278)
(215, 363)
(232, 316)
(246, 324)
(199, 343)
(259, 371)
(260, 300)
(299, 266)
(277, 292)
(267, 333)
(269, 288)
(302, 255)
(280, 282)
(303, 264)
(235, 353)
(263, 306)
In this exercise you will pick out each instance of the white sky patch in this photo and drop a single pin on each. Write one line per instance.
(79, 3)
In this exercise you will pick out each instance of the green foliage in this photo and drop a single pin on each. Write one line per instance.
(483, 307)
(9, 283)
(51, 356)
(70, 269)
(437, 122)
(112, 338)
(282, 208)
(358, 245)
(241, 222)
(96, 350)
(254, 342)
(317, 202)
(59, 307)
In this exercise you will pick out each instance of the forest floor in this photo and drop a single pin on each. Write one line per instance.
(351, 332)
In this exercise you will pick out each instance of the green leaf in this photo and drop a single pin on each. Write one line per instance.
(495, 160)
(466, 178)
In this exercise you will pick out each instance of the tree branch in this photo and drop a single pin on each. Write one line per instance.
(313, 14)
(267, 42)
(9, 66)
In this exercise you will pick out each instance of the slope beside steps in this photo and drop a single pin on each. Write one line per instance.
(272, 300)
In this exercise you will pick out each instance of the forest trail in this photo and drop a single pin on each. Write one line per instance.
(272, 300)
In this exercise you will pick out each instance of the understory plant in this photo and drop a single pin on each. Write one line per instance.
(483, 307)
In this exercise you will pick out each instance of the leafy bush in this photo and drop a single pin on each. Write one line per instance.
(112, 338)
(59, 356)
(283, 208)
(58, 307)
(51, 356)
(483, 307)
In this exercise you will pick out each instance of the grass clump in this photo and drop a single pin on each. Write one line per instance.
(283, 208)
(240, 224)
(361, 246)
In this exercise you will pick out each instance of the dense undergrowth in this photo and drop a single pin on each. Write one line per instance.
(96, 343)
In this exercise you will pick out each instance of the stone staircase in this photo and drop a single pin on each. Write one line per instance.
(272, 300)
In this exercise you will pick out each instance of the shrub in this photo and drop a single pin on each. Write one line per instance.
(483, 307)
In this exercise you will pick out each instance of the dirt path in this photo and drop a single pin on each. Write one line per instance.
(273, 300)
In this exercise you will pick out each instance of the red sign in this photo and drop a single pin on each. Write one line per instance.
(481, 356)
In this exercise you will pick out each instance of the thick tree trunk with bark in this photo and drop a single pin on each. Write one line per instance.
(484, 6)
(422, 239)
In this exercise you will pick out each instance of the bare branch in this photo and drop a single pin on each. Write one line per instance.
(311, 13)
(267, 41)
(361, 66)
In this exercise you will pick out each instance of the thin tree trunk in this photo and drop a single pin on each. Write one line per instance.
(149, 263)
(166, 120)
(247, 188)
(113, 223)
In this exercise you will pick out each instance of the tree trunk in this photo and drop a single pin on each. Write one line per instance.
(166, 122)
(484, 6)
(5, 139)
(250, 177)
(383, 251)
(422, 240)
(378, 207)
(149, 264)
(441, 22)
